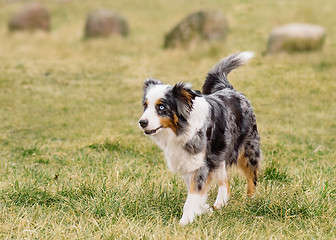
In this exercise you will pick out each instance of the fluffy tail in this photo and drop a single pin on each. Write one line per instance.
(217, 77)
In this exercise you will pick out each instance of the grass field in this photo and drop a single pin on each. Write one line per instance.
(75, 165)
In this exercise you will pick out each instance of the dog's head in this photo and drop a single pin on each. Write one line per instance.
(166, 107)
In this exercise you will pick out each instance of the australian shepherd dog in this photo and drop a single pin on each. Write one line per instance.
(204, 133)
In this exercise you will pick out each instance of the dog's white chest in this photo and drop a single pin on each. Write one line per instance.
(181, 161)
(177, 158)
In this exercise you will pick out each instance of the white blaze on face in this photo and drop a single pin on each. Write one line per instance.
(154, 94)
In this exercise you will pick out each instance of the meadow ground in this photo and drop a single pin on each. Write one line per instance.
(75, 165)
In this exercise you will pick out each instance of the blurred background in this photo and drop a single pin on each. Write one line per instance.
(48, 76)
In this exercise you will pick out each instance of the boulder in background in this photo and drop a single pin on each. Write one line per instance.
(199, 26)
(296, 37)
(33, 16)
(103, 23)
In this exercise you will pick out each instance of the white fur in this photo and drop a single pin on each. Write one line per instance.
(195, 205)
(245, 56)
(198, 116)
(177, 158)
(223, 192)
(222, 197)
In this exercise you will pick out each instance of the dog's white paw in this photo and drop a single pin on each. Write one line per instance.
(186, 219)
(190, 214)
(218, 205)
(206, 209)
(222, 198)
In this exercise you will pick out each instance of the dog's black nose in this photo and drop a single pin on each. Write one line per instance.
(143, 123)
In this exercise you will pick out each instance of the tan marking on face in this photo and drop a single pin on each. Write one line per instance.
(249, 172)
(167, 123)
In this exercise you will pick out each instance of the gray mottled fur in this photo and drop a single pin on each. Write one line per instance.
(197, 143)
(233, 125)
(201, 177)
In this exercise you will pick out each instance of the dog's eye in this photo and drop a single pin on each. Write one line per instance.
(161, 107)
(145, 105)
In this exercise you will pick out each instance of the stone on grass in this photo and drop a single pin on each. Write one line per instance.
(296, 37)
(33, 16)
(198, 26)
(103, 23)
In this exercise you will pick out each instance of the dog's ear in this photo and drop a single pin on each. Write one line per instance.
(185, 95)
(150, 82)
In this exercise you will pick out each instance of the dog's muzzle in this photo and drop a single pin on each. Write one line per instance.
(144, 123)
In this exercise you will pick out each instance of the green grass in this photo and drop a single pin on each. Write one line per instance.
(75, 165)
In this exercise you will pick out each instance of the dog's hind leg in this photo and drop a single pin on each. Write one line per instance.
(249, 166)
(223, 187)
(198, 183)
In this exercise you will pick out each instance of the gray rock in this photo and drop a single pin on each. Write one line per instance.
(103, 23)
(33, 16)
(199, 26)
(296, 37)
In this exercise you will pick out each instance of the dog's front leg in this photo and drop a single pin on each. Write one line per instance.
(197, 184)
